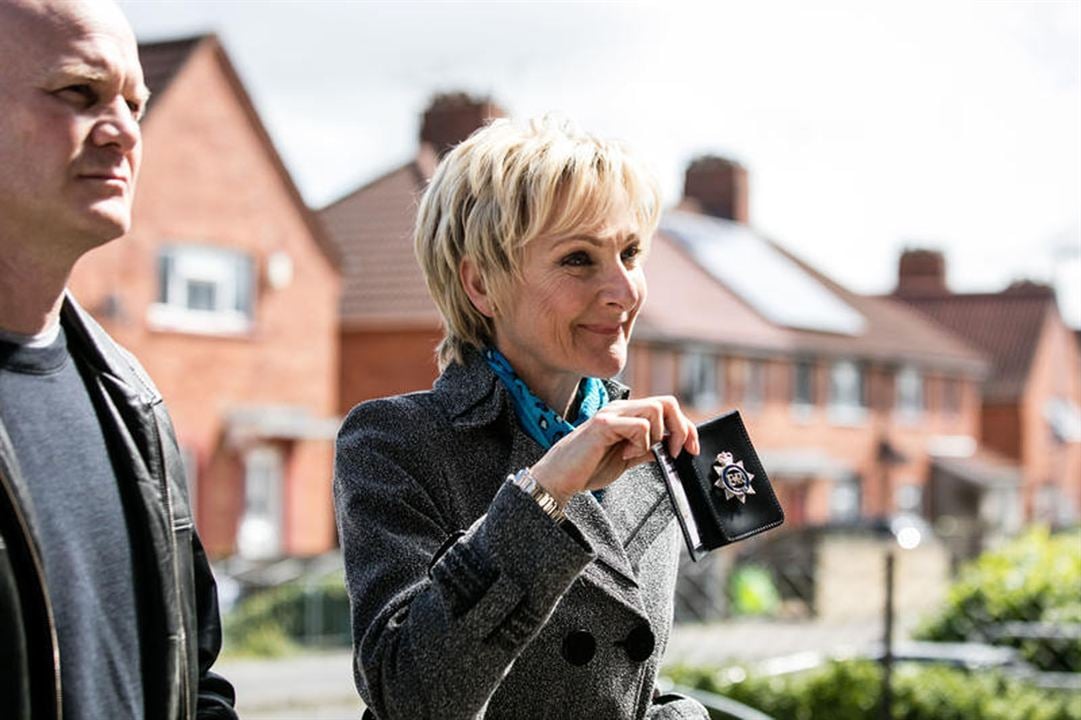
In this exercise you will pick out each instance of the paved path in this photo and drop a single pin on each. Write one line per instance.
(319, 686)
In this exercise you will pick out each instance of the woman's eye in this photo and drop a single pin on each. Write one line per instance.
(631, 253)
(577, 259)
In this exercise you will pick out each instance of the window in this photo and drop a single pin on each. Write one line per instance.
(804, 390)
(203, 289)
(848, 398)
(259, 536)
(909, 393)
(803, 385)
(754, 387)
(845, 499)
(698, 380)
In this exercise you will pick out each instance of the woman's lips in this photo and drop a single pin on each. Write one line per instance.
(606, 330)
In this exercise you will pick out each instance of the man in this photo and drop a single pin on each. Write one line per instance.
(107, 605)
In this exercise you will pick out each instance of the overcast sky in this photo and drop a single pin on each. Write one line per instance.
(866, 126)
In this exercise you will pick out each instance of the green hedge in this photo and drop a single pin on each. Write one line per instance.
(277, 621)
(851, 690)
(1035, 578)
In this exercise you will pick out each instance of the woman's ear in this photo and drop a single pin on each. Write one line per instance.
(476, 288)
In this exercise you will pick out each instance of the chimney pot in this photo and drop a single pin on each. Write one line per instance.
(452, 117)
(921, 272)
(719, 187)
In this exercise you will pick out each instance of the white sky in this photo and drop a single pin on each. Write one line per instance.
(866, 126)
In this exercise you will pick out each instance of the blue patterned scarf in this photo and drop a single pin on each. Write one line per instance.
(541, 422)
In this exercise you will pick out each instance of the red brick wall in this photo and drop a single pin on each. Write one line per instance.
(775, 426)
(377, 363)
(208, 178)
(1055, 372)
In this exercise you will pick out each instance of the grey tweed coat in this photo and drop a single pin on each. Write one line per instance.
(467, 600)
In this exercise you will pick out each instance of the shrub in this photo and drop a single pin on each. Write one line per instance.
(851, 690)
(1036, 578)
(277, 621)
(753, 592)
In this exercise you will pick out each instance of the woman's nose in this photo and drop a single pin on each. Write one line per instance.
(623, 286)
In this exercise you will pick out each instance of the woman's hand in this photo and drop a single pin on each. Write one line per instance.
(617, 438)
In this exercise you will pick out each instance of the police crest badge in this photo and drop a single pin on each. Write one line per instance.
(723, 494)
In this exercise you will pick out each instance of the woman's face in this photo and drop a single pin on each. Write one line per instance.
(572, 313)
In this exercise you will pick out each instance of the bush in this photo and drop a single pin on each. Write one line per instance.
(851, 690)
(1036, 578)
(753, 592)
(277, 621)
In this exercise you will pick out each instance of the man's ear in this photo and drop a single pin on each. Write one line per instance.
(476, 288)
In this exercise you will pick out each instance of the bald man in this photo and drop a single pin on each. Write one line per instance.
(107, 605)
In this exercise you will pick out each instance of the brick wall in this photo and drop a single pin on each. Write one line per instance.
(377, 363)
(775, 425)
(207, 178)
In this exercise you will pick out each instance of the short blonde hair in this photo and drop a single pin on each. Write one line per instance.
(505, 185)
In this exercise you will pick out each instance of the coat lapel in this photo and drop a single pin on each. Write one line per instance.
(619, 531)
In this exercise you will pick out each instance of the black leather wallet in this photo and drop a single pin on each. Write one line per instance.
(721, 495)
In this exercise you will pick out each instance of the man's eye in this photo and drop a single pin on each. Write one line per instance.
(136, 109)
(84, 94)
(577, 259)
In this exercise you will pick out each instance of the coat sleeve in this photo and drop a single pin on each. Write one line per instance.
(439, 613)
(677, 707)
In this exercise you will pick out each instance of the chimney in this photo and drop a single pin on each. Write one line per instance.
(717, 186)
(452, 117)
(921, 273)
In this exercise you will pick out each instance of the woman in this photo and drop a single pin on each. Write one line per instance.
(501, 561)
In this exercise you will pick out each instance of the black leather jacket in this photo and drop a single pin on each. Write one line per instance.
(180, 624)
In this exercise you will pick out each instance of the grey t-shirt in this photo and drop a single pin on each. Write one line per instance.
(79, 515)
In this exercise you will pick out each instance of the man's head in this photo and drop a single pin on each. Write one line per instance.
(71, 93)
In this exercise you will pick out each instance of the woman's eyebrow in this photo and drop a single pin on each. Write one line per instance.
(599, 241)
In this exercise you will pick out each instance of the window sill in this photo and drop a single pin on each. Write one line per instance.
(170, 318)
(847, 415)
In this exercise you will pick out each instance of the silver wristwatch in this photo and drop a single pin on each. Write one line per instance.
(524, 479)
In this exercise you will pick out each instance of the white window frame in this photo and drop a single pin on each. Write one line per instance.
(908, 394)
(230, 272)
(845, 499)
(847, 398)
(698, 379)
(802, 409)
(259, 536)
(754, 383)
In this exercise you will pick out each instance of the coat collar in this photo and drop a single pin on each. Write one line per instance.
(472, 397)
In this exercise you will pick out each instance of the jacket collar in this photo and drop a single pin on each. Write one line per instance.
(103, 355)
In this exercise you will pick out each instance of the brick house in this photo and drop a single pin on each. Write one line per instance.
(1031, 416)
(845, 402)
(845, 395)
(389, 324)
(227, 291)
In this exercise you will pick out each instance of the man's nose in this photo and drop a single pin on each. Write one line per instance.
(117, 127)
